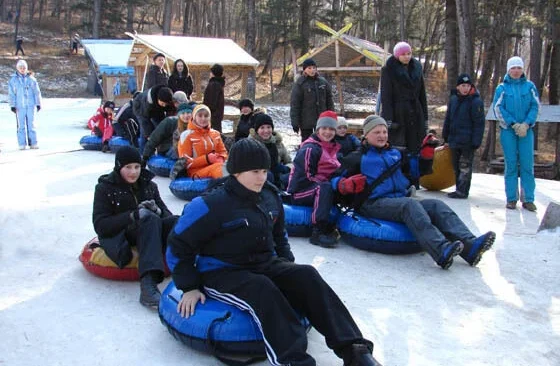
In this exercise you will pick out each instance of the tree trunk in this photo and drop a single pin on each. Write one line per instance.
(167, 17)
(554, 78)
(401, 21)
(466, 43)
(451, 43)
(304, 26)
(250, 34)
(130, 16)
(186, 16)
(96, 18)
(16, 21)
(41, 9)
(537, 47)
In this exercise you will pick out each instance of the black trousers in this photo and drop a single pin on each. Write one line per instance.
(463, 166)
(305, 133)
(149, 236)
(271, 291)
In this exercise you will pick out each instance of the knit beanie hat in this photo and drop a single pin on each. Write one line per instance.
(247, 154)
(217, 70)
(126, 155)
(401, 48)
(262, 119)
(180, 97)
(21, 63)
(308, 63)
(341, 121)
(327, 119)
(201, 107)
(165, 95)
(109, 104)
(371, 121)
(246, 103)
(184, 108)
(464, 79)
(515, 61)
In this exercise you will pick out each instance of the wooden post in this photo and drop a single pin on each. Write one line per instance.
(557, 155)
(337, 77)
(244, 76)
(197, 92)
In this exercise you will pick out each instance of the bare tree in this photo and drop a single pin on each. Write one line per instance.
(451, 61)
(96, 18)
(250, 43)
(167, 16)
(466, 43)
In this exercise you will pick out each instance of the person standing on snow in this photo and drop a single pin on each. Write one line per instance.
(214, 96)
(24, 97)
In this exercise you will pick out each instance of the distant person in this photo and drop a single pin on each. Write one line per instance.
(101, 124)
(157, 75)
(463, 129)
(378, 177)
(24, 98)
(126, 125)
(403, 100)
(214, 96)
(348, 142)
(516, 105)
(75, 43)
(180, 79)
(131, 84)
(150, 108)
(129, 212)
(311, 96)
(246, 108)
(19, 46)
(10, 16)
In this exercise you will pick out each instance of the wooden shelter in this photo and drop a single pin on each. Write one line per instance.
(346, 56)
(197, 52)
(108, 59)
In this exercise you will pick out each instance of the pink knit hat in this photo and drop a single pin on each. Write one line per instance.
(401, 48)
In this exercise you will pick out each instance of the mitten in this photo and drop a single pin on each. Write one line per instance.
(13, 109)
(521, 130)
(150, 205)
(214, 158)
(38, 108)
(296, 129)
(353, 184)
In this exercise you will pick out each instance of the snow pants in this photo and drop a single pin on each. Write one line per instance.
(431, 221)
(320, 197)
(518, 152)
(26, 133)
(214, 171)
(270, 292)
(463, 166)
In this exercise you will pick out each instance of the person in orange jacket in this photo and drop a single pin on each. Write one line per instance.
(202, 147)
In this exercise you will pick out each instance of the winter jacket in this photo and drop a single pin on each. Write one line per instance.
(230, 226)
(115, 200)
(275, 146)
(348, 143)
(104, 122)
(403, 102)
(23, 91)
(162, 137)
(214, 99)
(146, 104)
(244, 126)
(310, 97)
(181, 83)
(196, 143)
(516, 101)
(315, 162)
(464, 122)
(156, 76)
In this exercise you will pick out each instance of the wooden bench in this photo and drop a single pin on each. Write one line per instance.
(548, 170)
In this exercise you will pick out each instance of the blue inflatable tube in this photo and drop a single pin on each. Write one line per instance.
(376, 235)
(297, 219)
(91, 142)
(160, 165)
(218, 328)
(187, 188)
(116, 142)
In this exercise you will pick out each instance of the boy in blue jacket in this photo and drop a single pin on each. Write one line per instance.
(462, 131)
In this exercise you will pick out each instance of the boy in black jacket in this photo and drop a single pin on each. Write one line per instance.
(244, 259)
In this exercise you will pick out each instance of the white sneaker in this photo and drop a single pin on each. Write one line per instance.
(22, 147)
(34, 147)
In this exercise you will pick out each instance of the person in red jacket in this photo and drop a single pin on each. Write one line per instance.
(101, 124)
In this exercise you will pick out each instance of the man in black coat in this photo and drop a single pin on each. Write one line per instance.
(128, 211)
(157, 75)
(311, 96)
(214, 96)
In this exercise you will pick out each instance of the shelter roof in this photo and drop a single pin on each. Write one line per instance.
(108, 52)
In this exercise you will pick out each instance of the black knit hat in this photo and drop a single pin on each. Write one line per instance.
(109, 104)
(126, 155)
(464, 79)
(165, 95)
(262, 119)
(246, 103)
(247, 154)
(308, 62)
(217, 70)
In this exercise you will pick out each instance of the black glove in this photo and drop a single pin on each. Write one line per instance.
(150, 205)
(97, 132)
(13, 109)
(296, 129)
(38, 108)
(285, 253)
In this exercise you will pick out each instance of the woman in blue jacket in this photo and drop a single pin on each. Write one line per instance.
(516, 105)
(24, 96)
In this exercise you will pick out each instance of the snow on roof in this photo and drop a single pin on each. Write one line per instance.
(108, 52)
(198, 50)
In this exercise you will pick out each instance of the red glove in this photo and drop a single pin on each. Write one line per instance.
(214, 158)
(353, 184)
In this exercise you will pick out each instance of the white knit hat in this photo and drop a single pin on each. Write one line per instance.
(515, 61)
(21, 63)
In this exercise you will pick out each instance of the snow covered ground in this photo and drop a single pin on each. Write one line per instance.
(53, 312)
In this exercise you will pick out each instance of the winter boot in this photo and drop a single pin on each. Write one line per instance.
(457, 194)
(361, 356)
(529, 206)
(149, 292)
(321, 238)
(105, 147)
(449, 251)
(479, 246)
(511, 205)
